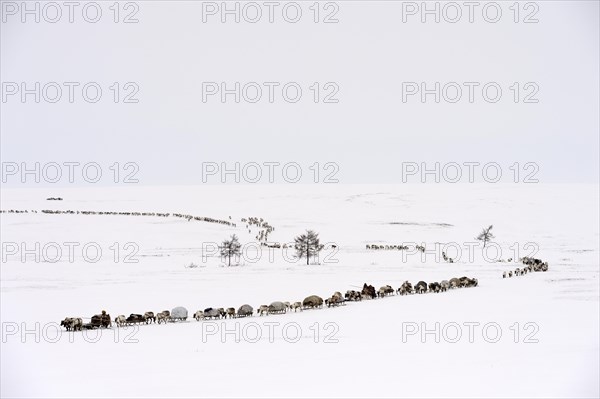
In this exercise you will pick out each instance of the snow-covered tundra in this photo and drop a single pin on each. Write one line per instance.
(535, 334)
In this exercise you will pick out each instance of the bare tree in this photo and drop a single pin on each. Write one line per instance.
(308, 245)
(486, 235)
(230, 248)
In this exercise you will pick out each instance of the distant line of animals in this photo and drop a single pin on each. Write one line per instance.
(158, 214)
(531, 265)
(447, 258)
(398, 247)
(278, 245)
(180, 313)
(263, 235)
(54, 199)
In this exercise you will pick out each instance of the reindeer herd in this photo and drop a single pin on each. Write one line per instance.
(264, 228)
(393, 247)
(263, 233)
(531, 265)
(154, 214)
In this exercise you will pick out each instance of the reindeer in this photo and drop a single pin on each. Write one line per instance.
(434, 287)
(149, 316)
(262, 309)
(120, 320)
(444, 285)
(163, 317)
(405, 288)
(421, 287)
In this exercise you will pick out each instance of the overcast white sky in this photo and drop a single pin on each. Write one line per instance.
(368, 54)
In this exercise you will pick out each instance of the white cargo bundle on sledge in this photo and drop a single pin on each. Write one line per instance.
(179, 313)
